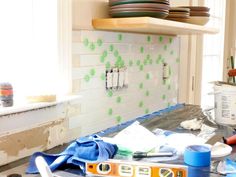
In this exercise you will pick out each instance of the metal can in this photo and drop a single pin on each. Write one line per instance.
(6, 94)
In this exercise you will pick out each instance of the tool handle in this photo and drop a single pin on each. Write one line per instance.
(230, 140)
(147, 155)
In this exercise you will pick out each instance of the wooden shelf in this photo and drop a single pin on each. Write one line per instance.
(150, 25)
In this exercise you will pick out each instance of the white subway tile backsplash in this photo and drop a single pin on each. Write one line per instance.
(143, 56)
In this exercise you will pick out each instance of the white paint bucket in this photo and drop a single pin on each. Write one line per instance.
(225, 104)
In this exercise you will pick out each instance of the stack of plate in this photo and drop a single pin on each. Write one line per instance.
(137, 8)
(198, 15)
(178, 14)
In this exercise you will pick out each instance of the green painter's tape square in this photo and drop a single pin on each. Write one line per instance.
(160, 38)
(149, 39)
(108, 65)
(86, 42)
(110, 111)
(104, 54)
(138, 62)
(103, 77)
(141, 85)
(118, 119)
(165, 47)
(142, 49)
(148, 76)
(92, 72)
(102, 59)
(145, 62)
(87, 78)
(116, 53)
(170, 40)
(111, 48)
(141, 104)
(163, 97)
(99, 42)
(119, 58)
(141, 67)
(110, 93)
(120, 37)
(146, 111)
(92, 46)
(118, 99)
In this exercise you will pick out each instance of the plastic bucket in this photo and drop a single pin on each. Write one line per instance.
(225, 104)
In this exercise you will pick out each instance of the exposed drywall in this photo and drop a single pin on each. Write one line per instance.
(40, 138)
(37, 130)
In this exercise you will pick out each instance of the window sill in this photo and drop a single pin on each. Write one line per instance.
(34, 106)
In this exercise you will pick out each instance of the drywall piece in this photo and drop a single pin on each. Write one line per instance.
(24, 143)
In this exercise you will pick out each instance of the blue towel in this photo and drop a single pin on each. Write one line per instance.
(86, 149)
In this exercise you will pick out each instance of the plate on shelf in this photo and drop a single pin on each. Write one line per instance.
(139, 14)
(138, 10)
(118, 2)
(179, 9)
(199, 13)
(197, 20)
(142, 5)
(197, 8)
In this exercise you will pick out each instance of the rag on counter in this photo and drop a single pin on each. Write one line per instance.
(86, 149)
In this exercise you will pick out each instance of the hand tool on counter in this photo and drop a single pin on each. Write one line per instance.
(43, 167)
(149, 154)
(230, 140)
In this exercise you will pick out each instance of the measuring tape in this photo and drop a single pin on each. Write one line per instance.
(136, 169)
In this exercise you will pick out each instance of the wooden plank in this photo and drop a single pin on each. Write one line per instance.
(150, 25)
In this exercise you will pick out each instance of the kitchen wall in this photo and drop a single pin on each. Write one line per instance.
(143, 55)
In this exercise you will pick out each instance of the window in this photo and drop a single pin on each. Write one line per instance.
(29, 46)
(213, 51)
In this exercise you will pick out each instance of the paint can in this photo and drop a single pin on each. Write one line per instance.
(225, 104)
(6, 94)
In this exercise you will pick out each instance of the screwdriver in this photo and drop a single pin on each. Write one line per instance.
(148, 154)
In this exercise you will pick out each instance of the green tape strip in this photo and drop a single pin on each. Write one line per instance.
(99, 42)
(110, 111)
(92, 72)
(118, 99)
(87, 78)
(142, 49)
(110, 93)
(86, 42)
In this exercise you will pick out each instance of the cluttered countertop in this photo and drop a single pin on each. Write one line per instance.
(140, 135)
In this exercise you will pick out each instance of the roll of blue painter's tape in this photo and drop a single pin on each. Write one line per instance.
(197, 155)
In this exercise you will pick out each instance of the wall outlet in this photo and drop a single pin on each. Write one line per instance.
(116, 78)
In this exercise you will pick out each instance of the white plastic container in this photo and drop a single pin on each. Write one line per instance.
(225, 104)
